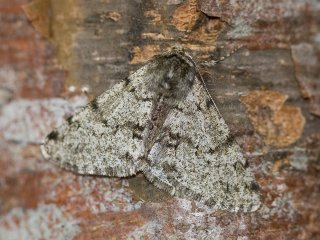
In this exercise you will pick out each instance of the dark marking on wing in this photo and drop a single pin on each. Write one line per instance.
(94, 104)
(69, 120)
(209, 103)
(126, 81)
(254, 186)
(132, 89)
(246, 164)
(169, 167)
(138, 127)
(53, 135)
(137, 135)
(105, 122)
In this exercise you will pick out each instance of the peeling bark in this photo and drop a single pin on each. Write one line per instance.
(267, 91)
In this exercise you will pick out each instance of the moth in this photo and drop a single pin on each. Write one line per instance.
(160, 121)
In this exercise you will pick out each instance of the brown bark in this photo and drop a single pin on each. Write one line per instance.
(268, 91)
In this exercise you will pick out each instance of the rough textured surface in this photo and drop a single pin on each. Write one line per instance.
(160, 121)
(25, 126)
(94, 43)
(280, 125)
(307, 72)
(50, 221)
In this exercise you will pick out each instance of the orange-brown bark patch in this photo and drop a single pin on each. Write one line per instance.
(111, 225)
(155, 16)
(186, 16)
(141, 55)
(279, 124)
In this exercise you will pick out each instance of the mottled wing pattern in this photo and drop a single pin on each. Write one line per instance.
(105, 137)
(196, 157)
(161, 121)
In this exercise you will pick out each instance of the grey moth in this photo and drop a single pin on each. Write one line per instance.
(160, 121)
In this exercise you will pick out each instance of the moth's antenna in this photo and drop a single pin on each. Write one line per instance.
(214, 62)
(205, 86)
(203, 82)
(210, 64)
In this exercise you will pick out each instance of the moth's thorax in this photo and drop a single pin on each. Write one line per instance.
(172, 76)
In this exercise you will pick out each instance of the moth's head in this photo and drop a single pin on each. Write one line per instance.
(173, 73)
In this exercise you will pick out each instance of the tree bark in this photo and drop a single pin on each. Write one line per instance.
(57, 55)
